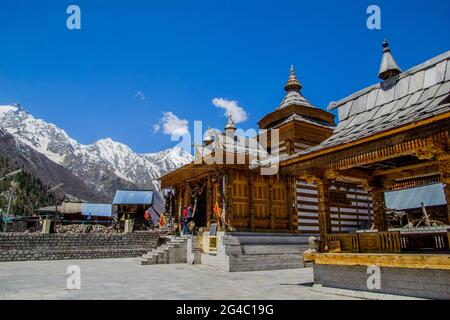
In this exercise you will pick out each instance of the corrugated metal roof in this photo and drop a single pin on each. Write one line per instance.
(133, 197)
(97, 210)
(432, 195)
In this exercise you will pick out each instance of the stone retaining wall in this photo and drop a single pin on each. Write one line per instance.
(37, 246)
(421, 283)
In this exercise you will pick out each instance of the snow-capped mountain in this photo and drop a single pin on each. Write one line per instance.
(43, 168)
(103, 166)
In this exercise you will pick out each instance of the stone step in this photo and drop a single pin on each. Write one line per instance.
(173, 250)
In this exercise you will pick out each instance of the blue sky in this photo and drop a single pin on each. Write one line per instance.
(183, 54)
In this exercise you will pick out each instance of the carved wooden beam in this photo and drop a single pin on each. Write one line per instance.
(395, 171)
(356, 176)
(426, 143)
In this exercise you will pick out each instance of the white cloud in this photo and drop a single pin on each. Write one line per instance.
(232, 108)
(139, 95)
(172, 125)
(156, 127)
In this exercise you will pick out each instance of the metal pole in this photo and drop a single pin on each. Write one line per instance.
(11, 174)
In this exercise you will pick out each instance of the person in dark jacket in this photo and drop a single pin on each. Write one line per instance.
(190, 214)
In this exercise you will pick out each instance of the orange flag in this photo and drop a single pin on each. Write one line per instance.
(162, 221)
(217, 210)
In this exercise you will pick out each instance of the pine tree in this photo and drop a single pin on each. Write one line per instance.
(29, 191)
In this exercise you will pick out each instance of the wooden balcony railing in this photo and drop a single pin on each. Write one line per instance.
(387, 242)
(434, 242)
(369, 242)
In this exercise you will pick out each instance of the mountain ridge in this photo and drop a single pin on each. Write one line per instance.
(104, 166)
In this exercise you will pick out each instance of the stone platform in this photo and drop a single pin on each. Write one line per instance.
(249, 251)
(413, 275)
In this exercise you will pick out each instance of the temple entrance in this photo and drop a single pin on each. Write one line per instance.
(200, 217)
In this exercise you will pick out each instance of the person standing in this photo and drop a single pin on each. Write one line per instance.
(184, 220)
(148, 218)
(190, 214)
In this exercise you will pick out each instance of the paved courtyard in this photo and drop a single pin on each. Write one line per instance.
(124, 279)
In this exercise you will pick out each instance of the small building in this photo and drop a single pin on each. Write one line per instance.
(69, 209)
(132, 204)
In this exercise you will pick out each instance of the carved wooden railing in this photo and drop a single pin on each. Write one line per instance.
(348, 242)
(370, 242)
(434, 242)
(388, 242)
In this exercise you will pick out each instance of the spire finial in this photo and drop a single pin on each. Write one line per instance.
(230, 124)
(293, 84)
(389, 66)
(385, 46)
(208, 138)
(230, 128)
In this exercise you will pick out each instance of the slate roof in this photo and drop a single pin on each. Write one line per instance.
(416, 94)
(295, 98)
(293, 93)
(238, 144)
(304, 119)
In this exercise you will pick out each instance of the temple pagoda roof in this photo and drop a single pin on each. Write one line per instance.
(294, 103)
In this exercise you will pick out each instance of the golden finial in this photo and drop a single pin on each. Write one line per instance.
(293, 83)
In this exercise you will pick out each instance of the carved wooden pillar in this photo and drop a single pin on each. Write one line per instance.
(187, 195)
(379, 209)
(291, 203)
(209, 200)
(444, 167)
(251, 206)
(180, 207)
(229, 197)
(323, 189)
(290, 147)
(270, 206)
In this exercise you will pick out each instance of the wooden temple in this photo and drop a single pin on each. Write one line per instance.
(251, 201)
(225, 191)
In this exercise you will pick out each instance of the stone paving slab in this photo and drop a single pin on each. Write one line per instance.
(124, 279)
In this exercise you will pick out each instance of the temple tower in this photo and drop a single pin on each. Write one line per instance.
(301, 124)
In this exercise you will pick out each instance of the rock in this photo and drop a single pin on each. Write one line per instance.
(86, 228)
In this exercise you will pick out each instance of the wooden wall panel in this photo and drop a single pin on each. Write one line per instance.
(261, 198)
(241, 217)
(344, 217)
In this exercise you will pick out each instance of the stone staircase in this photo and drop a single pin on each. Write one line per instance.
(171, 250)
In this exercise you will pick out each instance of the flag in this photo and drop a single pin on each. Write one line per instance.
(162, 221)
(217, 210)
